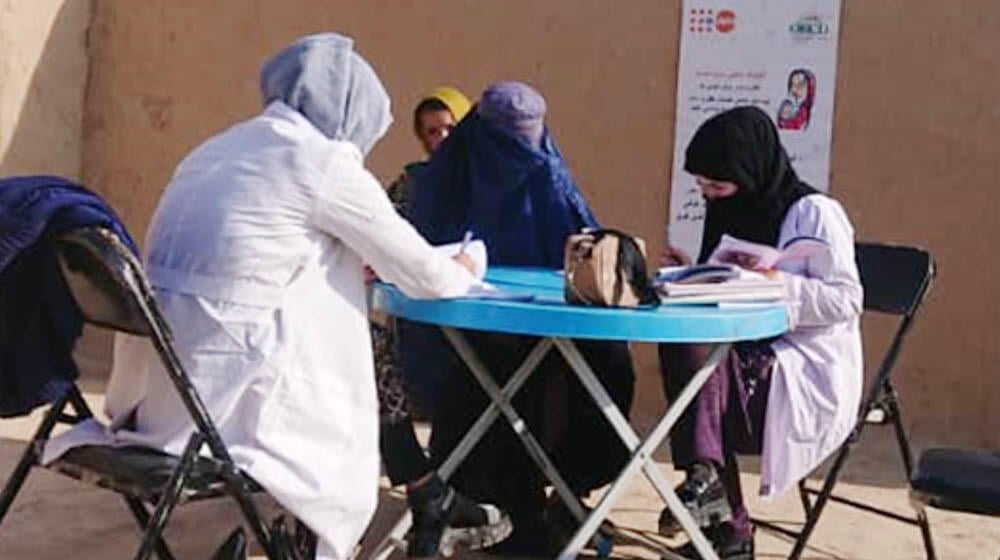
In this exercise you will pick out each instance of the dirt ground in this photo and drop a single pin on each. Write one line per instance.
(56, 518)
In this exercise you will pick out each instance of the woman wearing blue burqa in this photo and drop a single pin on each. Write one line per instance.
(500, 176)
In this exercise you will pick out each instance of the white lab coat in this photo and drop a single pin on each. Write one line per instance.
(256, 252)
(816, 387)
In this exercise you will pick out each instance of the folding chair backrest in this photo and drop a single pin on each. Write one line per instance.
(896, 279)
(105, 279)
(111, 290)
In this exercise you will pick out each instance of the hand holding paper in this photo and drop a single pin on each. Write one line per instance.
(755, 256)
(673, 256)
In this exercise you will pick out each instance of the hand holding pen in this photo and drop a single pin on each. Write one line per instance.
(462, 257)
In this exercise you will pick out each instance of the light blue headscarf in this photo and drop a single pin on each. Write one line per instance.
(323, 78)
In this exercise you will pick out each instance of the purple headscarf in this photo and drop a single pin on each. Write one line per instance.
(516, 108)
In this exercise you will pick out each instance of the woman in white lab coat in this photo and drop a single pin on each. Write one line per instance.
(256, 252)
(793, 399)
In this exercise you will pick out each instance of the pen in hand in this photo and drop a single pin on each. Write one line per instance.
(465, 241)
(462, 258)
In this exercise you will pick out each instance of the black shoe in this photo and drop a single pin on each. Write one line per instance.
(444, 521)
(234, 548)
(736, 549)
(703, 494)
(726, 546)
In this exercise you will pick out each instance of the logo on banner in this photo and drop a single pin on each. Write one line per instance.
(725, 21)
(809, 27)
(708, 20)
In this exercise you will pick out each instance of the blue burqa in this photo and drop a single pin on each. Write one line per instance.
(523, 203)
(520, 201)
(39, 322)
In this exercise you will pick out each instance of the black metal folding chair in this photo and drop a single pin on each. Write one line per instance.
(957, 480)
(896, 282)
(111, 290)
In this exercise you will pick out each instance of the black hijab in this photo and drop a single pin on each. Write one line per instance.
(741, 146)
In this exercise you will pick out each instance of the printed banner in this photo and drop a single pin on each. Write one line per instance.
(780, 55)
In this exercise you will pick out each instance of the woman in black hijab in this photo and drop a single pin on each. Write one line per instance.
(741, 146)
(752, 193)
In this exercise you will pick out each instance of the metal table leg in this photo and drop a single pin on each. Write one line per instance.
(517, 423)
(641, 451)
(499, 398)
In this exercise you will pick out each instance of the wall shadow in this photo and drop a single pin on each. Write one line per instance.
(48, 135)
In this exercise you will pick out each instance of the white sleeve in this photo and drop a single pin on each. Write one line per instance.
(828, 291)
(354, 208)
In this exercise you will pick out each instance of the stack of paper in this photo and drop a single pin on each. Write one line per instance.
(697, 274)
(748, 287)
(489, 291)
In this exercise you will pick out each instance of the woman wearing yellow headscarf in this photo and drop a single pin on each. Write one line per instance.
(433, 119)
(443, 519)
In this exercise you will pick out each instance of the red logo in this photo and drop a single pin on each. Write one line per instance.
(725, 21)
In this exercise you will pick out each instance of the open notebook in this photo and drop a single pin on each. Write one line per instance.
(731, 277)
(756, 256)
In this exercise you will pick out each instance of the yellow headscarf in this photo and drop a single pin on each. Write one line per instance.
(455, 100)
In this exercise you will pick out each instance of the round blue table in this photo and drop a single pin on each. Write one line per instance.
(547, 314)
(532, 303)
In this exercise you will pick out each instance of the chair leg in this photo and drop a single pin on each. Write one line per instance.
(169, 499)
(813, 513)
(30, 456)
(305, 539)
(254, 519)
(804, 498)
(79, 404)
(906, 453)
(925, 531)
(879, 389)
(141, 516)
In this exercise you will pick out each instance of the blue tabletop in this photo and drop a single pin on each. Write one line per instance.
(547, 314)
